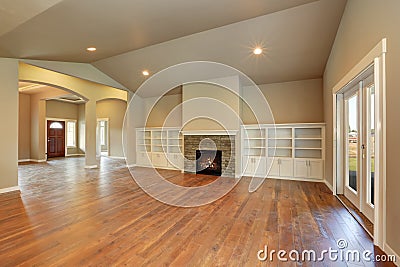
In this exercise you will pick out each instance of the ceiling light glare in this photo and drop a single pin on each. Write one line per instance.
(257, 51)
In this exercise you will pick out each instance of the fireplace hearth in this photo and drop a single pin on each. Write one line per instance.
(209, 162)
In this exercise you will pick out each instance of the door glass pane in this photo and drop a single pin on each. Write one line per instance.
(371, 140)
(56, 125)
(352, 141)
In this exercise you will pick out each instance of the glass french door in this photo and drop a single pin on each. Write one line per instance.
(359, 146)
(352, 146)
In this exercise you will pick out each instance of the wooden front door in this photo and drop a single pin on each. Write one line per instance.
(55, 139)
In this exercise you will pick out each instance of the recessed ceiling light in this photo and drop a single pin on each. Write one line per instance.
(146, 73)
(257, 51)
(91, 49)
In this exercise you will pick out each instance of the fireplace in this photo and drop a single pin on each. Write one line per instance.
(209, 162)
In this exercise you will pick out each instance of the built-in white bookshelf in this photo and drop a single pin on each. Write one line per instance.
(175, 141)
(159, 147)
(293, 151)
(308, 143)
(280, 142)
(254, 142)
(143, 140)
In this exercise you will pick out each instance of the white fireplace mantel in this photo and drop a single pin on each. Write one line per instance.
(210, 132)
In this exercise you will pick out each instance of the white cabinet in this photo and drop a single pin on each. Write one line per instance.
(159, 160)
(280, 167)
(308, 168)
(273, 165)
(159, 147)
(175, 160)
(300, 168)
(255, 166)
(291, 151)
(286, 167)
(143, 159)
(316, 169)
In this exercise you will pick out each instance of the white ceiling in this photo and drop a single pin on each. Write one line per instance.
(132, 35)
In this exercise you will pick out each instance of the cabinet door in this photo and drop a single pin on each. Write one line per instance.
(143, 158)
(248, 166)
(260, 166)
(301, 168)
(286, 167)
(159, 160)
(273, 165)
(175, 160)
(316, 168)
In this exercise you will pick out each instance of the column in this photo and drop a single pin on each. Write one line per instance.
(90, 134)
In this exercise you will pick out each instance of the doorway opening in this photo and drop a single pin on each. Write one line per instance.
(359, 138)
(357, 116)
(103, 148)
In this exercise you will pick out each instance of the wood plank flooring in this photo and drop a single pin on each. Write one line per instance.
(70, 216)
(360, 218)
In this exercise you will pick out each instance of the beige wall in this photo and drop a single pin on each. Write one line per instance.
(24, 127)
(114, 110)
(88, 90)
(135, 118)
(217, 106)
(66, 111)
(61, 110)
(290, 102)
(364, 24)
(38, 122)
(166, 112)
(9, 133)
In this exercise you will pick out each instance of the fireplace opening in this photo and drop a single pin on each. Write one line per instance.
(209, 162)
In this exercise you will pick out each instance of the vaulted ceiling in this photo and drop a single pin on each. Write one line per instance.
(130, 36)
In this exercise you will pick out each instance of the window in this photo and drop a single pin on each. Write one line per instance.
(56, 125)
(71, 134)
(103, 134)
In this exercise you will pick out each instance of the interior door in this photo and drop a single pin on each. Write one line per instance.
(55, 139)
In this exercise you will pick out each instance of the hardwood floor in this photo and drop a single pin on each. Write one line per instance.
(360, 218)
(68, 215)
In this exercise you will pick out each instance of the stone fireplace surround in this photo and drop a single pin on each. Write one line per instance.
(224, 142)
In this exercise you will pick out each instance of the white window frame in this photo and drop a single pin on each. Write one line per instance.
(66, 133)
(98, 143)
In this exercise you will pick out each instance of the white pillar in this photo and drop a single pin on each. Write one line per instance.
(90, 136)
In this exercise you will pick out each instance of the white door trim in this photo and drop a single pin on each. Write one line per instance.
(377, 57)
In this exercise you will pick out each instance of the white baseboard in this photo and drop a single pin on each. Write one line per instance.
(32, 160)
(74, 155)
(389, 251)
(328, 185)
(130, 165)
(114, 157)
(9, 189)
(90, 166)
